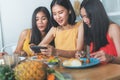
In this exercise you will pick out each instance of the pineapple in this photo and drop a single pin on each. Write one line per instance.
(30, 70)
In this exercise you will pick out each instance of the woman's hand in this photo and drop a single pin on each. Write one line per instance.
(21, 53)
(49, 51)
(80, 54)
(102, 56)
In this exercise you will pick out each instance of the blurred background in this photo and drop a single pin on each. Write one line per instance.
(15, 16)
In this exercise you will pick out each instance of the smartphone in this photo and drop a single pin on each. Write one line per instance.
(36, 49)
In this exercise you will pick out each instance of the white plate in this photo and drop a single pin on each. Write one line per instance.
(22, 58)
(36, 59)
(33, 58)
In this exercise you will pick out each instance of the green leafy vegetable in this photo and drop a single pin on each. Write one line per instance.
(6, 73)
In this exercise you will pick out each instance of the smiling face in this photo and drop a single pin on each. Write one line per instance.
(84, 16)
(41, 21)
(60, 15)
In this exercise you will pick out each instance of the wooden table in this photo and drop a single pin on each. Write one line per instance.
(98, 72)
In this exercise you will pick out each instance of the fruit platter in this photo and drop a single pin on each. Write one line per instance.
(51, 61)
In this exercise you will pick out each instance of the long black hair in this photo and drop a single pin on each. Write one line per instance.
(99, 24)
(66, 4)
(36, 35)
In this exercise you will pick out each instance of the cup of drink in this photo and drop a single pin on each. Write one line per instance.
(11, 60)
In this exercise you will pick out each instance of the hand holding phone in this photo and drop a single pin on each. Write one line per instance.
(36, 49)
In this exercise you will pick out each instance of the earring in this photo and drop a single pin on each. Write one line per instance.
(70, 12)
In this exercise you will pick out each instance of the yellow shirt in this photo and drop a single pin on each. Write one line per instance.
(67, 39)
(26, 46)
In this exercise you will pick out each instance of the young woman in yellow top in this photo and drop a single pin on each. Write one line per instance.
(40, 26)
(65, 31)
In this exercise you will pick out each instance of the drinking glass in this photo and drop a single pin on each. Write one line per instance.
(11, 60)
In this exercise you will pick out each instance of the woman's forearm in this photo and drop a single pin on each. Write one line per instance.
(65, 53)
(115, 60)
